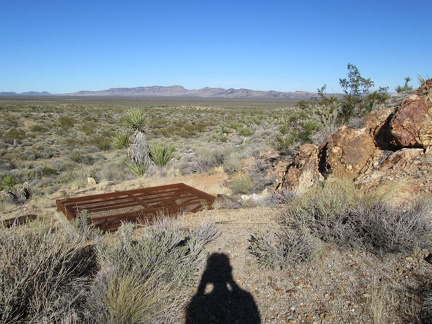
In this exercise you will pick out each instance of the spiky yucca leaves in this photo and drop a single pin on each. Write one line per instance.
(120, 140)
(137, 119)
(8, 182)
(161, 155)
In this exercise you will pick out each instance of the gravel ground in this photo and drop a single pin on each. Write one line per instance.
(338, 286)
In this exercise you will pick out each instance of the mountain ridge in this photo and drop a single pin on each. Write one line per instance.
(206, 92)
(176, 91)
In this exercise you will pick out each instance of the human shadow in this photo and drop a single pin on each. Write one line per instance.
(219, 299)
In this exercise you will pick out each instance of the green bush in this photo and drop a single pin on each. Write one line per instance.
(14, 134)
(284, 142)
(88, 127)
(66, 122)
(246, 131)
(47, 171)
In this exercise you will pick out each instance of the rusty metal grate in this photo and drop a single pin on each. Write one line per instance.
(108, 211)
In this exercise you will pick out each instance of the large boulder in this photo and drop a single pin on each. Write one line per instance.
(346, 152)
(303, 171)
(411, 123)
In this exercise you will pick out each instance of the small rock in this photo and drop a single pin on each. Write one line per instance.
(91, 181)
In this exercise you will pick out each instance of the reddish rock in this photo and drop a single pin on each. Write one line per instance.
(346, 152)
(303, 171)
(411, 123)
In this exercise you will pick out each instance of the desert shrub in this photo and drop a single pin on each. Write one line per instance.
(246, 130)
(101, 141)
(161, 155)
(387, 229)
(258, 172)
(13, 134)
(309, 128)
(284, 142)
(324, 211)
(88, 127)
(111, 171)
(338, 212)
(47, 171)
(283, 247)
(143, 273)
(42, 282)
(203, 161)
(231, 163)
(66, 122)
(241, 184)
(357, 100)
(38, 128)
(78, 157)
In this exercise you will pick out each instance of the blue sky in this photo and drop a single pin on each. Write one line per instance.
(66, 46)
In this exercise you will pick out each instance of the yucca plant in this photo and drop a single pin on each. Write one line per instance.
(161, 155)
(120, 140)
(9, 182)
(137, 169)
(138, 150)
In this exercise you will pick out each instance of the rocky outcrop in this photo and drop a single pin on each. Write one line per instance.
(392, 149)
(411, 123)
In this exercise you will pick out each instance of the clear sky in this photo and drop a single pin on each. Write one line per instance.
(63, 46)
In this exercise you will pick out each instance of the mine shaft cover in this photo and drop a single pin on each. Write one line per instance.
(107, 211)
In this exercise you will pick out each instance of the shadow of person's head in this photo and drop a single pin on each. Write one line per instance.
(218, 270)
(219, 299)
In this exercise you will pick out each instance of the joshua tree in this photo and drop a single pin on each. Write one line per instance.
(406, 87)
(138, 150)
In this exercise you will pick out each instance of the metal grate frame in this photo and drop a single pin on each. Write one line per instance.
(108, 211)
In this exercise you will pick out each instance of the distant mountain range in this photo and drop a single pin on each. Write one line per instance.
(28, 93)
(177, 91)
